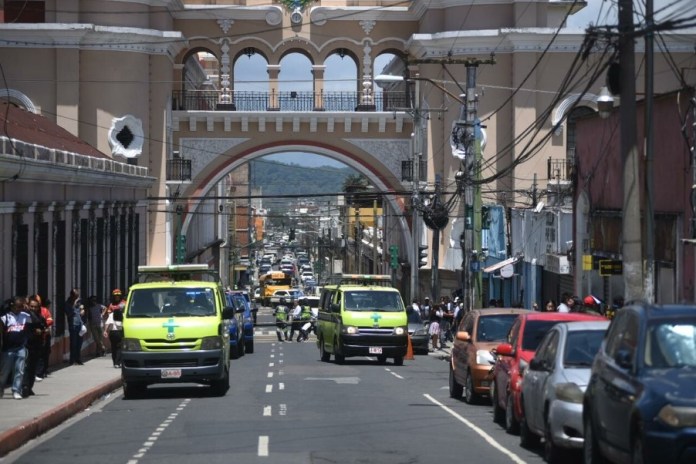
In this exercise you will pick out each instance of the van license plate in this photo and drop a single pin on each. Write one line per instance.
(375, 350)
(171, 373)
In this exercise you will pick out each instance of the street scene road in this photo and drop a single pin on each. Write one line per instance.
(286, 406)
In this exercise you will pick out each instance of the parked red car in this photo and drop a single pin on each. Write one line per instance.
(513, 358)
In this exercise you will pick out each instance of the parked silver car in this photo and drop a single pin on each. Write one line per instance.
(554, 385)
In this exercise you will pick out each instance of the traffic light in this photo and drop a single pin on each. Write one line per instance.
(422, 256)
(394, 256)
(292, 234)
(180, 248)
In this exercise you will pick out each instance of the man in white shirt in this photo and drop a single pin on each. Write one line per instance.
(295, 317)
(566, 303)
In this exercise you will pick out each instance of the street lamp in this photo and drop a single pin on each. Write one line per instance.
(605, 103)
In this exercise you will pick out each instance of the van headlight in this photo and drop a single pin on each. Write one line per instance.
(400, 330)
(349, 330)
(130, 344)
(211, 343)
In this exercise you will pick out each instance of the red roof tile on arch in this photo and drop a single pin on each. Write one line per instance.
(19, 124)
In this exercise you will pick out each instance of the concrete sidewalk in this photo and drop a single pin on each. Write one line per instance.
(66, 392)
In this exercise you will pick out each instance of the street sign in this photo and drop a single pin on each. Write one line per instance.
(608, 267)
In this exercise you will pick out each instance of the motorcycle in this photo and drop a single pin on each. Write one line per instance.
(307, 328)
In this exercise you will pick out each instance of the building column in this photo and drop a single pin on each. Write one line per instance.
(273, 87)
(318, 72)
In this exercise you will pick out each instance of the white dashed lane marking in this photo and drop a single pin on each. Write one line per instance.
(152, 439)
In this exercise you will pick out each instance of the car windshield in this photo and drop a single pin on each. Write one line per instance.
(671, 344)
(494, 327)
(168, 302)
(534, 331)
(581, 347)
(370, 300)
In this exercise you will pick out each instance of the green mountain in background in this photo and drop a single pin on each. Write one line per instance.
(277, 178)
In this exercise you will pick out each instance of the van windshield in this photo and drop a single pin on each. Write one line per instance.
(370, 300)
(169, 302)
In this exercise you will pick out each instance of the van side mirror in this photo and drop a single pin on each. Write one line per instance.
(335, 308)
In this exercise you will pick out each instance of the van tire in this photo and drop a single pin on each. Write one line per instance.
(220, 387)
(235, 351)
(249, 347)
(339, 357)
(399, 361)
(381, 359)
(133, 390)
(325, 355)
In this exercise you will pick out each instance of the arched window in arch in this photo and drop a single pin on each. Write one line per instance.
(296, 83)
(251, 81)
(341, 82)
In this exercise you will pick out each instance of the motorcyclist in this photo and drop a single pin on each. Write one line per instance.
(306, 315)
(281, 313)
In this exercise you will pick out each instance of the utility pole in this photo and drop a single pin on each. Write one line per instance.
(375, 255)
(631, 248)
(472, 225)
(415, 172)
(434, 272)
(649, 155)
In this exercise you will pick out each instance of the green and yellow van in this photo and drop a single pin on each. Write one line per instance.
(362, 315)
(175, 329)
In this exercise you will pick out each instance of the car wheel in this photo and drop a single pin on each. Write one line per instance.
(512, 426)
(528, 439)
(325, 355)
(235, 351)
(399, 361)
(638, 448)
(591, 453)
(455, 390)
(498, 412)
(470, 395)
(249, 347)
(242, 347)
(552, 453)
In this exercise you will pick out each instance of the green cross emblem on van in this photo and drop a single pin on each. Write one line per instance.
(170, 325)
(375, 317)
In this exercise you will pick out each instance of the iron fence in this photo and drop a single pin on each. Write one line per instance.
(215, 100)
(179, 169)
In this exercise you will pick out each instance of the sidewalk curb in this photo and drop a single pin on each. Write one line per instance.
(14, 438)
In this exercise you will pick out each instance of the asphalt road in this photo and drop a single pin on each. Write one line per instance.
(286, 406)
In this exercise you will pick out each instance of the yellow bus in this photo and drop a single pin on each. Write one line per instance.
(270, 283)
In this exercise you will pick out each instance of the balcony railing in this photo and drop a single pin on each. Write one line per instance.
(179, 169)
(559, 169)
(407, 171)
(215, 100)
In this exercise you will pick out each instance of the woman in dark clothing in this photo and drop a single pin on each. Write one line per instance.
(35, 335)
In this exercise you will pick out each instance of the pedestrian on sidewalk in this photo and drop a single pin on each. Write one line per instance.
(434, 328)
(14, 352)
(114, 331)
(95, 317)
(44, 357)
(35, 328)
(74, 312)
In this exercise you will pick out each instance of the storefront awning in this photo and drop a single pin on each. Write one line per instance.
(500, 265)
